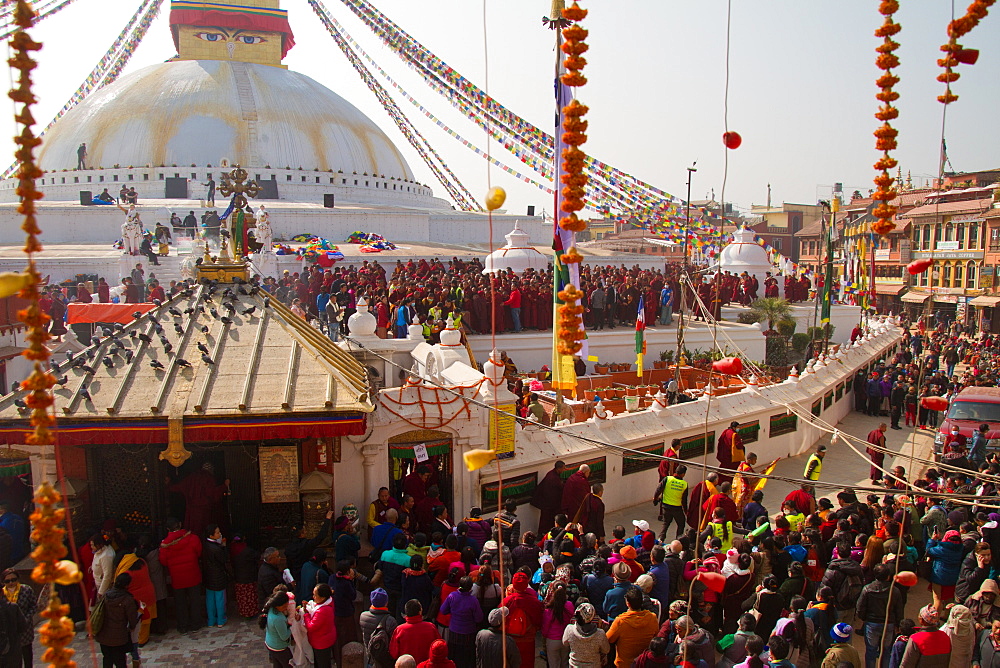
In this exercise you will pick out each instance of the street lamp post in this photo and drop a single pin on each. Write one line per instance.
(683, 279)
(828, 273)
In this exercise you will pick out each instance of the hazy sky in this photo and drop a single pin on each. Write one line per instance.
(801, 85)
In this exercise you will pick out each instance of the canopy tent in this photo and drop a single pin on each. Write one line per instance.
(98, 312)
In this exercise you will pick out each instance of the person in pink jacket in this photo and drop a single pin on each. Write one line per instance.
(321, 627)
(558, 614)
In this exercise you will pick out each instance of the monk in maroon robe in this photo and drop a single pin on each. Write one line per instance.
(547, 497)
(574, 495)
(202, 498)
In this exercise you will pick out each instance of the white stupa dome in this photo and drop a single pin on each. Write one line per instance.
(362, 323)
(517, 255)
(744, 254)
(204, 111)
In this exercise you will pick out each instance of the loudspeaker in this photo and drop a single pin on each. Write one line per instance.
(531, 210)
(176, 187)
(86, 198)
(328, 200)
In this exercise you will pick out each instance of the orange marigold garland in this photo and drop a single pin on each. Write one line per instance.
(58, 632)
(570, 320)
(574, 180)
(886, 134)
(954, 53)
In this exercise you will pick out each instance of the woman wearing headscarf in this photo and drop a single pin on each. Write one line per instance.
(962, 631)
(23, 596)
(983, 605)
(142, 590)
(525, 617)
(438, 656)
(588, 643)
(563, 578)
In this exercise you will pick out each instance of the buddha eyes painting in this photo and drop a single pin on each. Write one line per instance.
(223, 35)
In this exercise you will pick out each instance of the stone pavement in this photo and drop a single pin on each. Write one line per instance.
(240, 642)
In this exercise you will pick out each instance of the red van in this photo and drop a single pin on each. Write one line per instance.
(972, 407)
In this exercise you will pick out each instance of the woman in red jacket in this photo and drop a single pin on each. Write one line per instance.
(525, 617)
(320, 625)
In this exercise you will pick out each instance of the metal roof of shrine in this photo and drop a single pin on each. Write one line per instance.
(223, 355)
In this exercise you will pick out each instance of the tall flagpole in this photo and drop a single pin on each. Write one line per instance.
(560, 273)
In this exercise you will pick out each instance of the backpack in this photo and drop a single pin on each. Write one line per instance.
(847, 595)
(378, 646)
(518, 623)
(97, 617)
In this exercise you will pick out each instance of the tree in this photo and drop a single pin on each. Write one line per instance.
(772, 310)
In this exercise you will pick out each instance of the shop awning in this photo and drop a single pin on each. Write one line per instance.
(889, 288)
(985, 300)
(915, 297)
(120, 313)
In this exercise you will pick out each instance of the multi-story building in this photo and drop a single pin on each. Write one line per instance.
(951, 228)
(779, 224)
(987, 311)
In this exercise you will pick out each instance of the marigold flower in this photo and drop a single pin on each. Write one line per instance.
(887, 61)
(574, 13)
(575, 33)
(888, 29)
(887, 81)
(887, 113)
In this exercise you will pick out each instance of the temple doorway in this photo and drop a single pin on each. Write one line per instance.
(403, 461)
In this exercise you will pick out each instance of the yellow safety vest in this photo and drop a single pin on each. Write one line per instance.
(673, 491)
(816, 471)
(720, 530)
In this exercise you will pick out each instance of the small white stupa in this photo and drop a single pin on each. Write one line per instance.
(745, 254)
(517, 255)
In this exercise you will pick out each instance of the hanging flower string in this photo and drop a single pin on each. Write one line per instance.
(570, 320)
(574, 178)
(954, 53)
(886, 134)
(46, 532)
(574, 128)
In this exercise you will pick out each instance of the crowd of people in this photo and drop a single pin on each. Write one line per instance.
(430, 292)
(732, 585)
